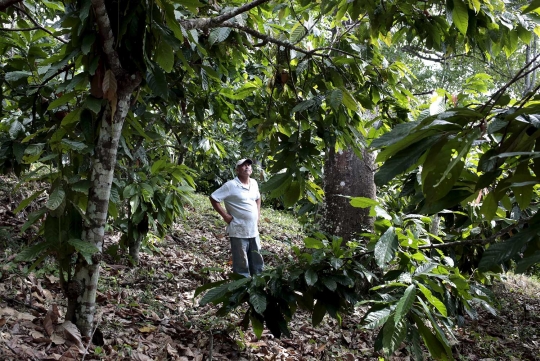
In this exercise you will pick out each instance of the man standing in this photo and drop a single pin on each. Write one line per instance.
(242, 212)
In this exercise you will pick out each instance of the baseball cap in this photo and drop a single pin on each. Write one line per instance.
(244, 160)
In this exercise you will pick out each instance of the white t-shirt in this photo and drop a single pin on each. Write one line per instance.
(240, 203)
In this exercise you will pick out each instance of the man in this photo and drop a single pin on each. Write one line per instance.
(242, 212)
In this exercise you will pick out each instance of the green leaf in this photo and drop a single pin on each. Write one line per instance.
(292, 194)
(319, 310)
(403, 160)
(165, 57)
(276, 182)
(311, 277)
(258, 302)
(434, 346)
(203, 288)
(489, 206)
(304, 105)
(349, 101)
(55, 199)
(72, 117)
(157, 82)
(85, 249)
(405, 303)
(30, 253)
(192, 5)
(218, 35)
(64, 99)
(27, 201)
(363, 202)
(73, 145)
(374, 319)
(329, 283)
(33, 217)
(257, 325)
(501, 252)
(460, 16)
(54, 5)
(297, 32)
(393, 334)
(335, 98)
(435, 302)
(523, 265)
(313, 243)
(218, 292)
(398, 133)
(17, 75)
(535, 4)
(386, 247)
(94, 104)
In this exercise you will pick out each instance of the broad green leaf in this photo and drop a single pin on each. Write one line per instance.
(276, 182)
(203, 288)
(218, 292)
(33, 217)
(434, 346)
(374, 319)
(292, 194)
(72, 117)
(535, 4)
(73, 145)
(218, 35)
(30, 253)
(297, 32)
(489, 206)
(405, 303)
(54, 5)
(258, 302)
(501, 252)
(319, 310)
(524, 264)
(304, 105)
(86, 249)
(349, 101)
(435, 302)
(55, 199)
(313, 243)
(460, 16)
(335, 98)
(157, 82)
(27, 201)
(165, 57)
(311, 277)
(403, 160)
(363, 202)
(16, 75)
(257, 325)
(192, 5)
(329, 283)
(64, 99)
(385, 248)
(393, 334)
(399, 132)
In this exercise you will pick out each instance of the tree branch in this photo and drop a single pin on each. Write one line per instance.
(39, 26)
(468, 242)
(20, 29)
(107, 37)
(266, 38)
(215, 22)
(6, 3)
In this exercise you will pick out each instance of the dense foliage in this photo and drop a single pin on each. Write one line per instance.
(120, 106)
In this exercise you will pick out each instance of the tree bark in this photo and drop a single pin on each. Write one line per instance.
(345, 174)
(83, 286)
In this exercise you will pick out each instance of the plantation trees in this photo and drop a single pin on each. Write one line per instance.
(107, 101)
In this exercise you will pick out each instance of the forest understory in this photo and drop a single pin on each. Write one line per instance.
(149, 312)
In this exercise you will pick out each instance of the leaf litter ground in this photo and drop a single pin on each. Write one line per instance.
(149, 313)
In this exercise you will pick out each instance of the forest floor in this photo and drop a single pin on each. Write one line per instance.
(150, 313)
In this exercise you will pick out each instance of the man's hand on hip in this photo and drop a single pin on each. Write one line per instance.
(227, 218)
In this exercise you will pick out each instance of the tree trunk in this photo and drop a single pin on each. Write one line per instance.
(346, 174)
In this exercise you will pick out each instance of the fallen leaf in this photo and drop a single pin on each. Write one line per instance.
(48, 324)
(138, 356)
(72, 334)
(148, 329)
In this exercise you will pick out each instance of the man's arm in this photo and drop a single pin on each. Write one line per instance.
(222, 212)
